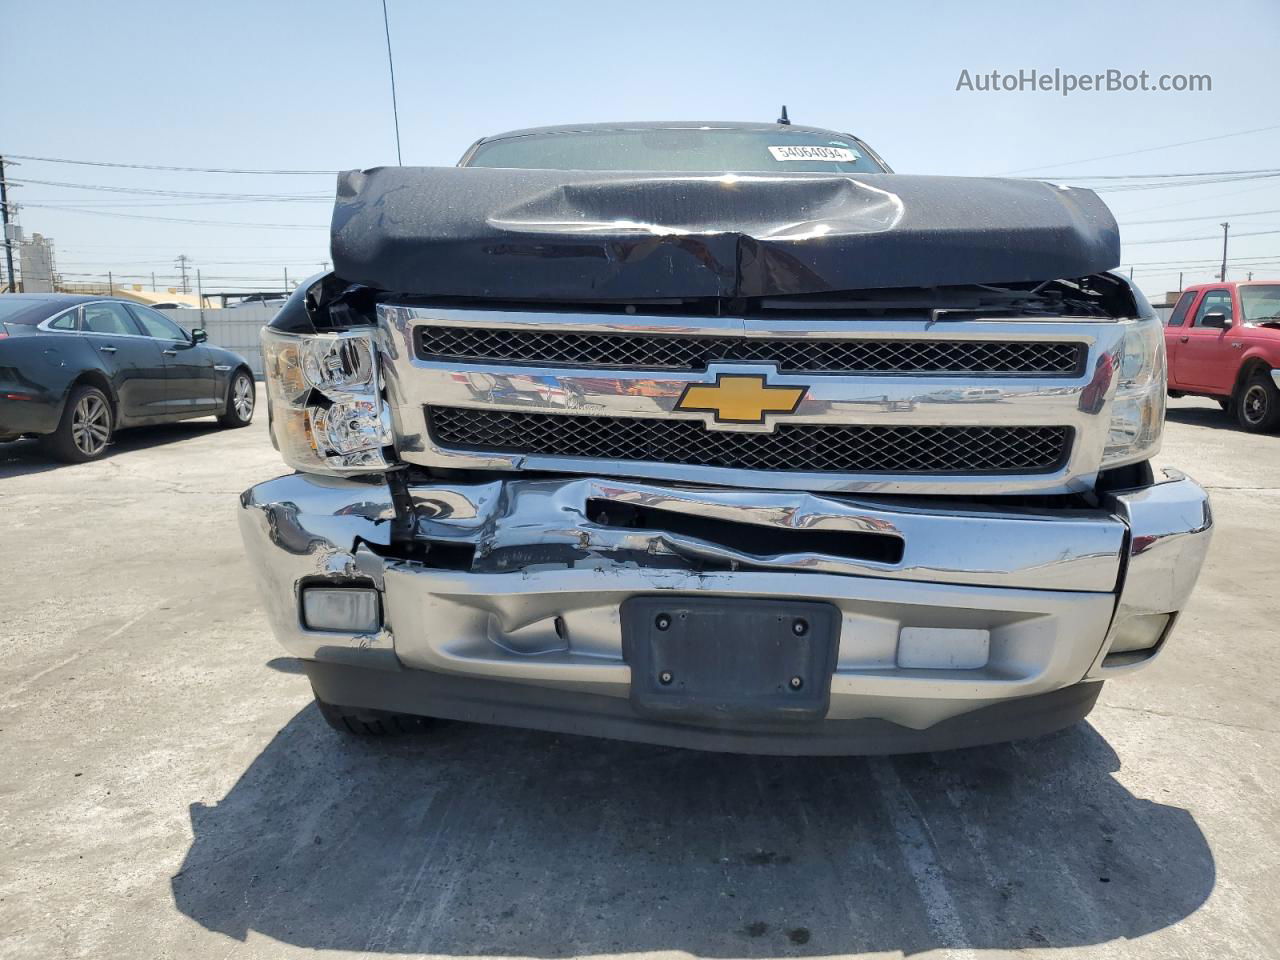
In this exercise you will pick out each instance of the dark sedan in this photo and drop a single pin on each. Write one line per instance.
(74, 369)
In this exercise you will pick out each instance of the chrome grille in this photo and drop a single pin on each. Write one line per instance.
(797, 447)
(667, 352)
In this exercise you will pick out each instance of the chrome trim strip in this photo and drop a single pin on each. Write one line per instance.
(80, 326)
(796, 325)
(127, 336)
(44, 325)
(485, 345)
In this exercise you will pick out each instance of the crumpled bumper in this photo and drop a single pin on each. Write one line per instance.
(519, 582)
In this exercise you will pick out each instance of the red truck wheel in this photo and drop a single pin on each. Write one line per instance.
(1259, 408)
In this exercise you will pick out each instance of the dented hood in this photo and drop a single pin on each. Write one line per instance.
(590, 236)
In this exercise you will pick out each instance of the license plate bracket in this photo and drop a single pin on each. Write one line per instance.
(730, 660)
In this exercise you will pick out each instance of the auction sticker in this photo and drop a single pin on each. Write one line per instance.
(829, 154)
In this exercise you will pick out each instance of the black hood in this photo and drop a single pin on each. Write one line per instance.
(589, 236)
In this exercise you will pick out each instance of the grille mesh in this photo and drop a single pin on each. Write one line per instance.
(801, 448)
(553, 347)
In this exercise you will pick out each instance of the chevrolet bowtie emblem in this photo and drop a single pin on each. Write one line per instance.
(737, 398)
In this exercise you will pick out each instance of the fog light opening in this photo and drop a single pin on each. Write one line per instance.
(1140, 634)
(341, 609)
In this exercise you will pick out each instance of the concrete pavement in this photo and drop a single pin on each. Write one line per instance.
(167, 789)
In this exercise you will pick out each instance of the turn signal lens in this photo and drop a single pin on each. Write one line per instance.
(1137, 411)
(1139, 633)
(350, 427)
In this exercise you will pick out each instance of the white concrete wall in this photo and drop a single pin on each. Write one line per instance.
(236, 329)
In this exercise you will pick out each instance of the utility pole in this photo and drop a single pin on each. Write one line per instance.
(181, 264)
(1179, 281)
(200, 296)
(1131, 273)
(1222, 277)
(111, 284)
(1250, 274)
(4, 217)
(286, 281)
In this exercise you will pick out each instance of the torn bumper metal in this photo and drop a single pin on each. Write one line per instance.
(945, 611)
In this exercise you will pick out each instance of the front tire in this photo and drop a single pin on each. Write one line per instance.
(86, 427)
(241, 399)
(359, 722)
(1258, 407)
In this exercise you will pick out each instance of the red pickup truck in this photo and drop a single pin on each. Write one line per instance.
(1223, 341)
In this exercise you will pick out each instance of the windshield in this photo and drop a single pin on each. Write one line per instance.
(1260, 303)
(680, 150)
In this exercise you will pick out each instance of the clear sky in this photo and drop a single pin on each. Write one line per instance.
(303, 85)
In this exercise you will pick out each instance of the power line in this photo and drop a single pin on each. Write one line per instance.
(1165, 204)
(133, 204)
(179, 194)
(1207, 216)
(1169, 176)
(1191, 263)
(154, 166)
(204, 223)
(81, 201)
(1163, 146)
(1190, 181)
(159, 247)
(1255, 233)
(261, 261)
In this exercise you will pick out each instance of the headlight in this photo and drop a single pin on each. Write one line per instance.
(1137, 412)
(325, 392)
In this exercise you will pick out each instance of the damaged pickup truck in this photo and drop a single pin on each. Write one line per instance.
(721, 436)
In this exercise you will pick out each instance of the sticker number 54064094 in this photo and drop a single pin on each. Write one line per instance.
(799, 152)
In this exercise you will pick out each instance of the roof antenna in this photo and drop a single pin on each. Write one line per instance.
(783, 119)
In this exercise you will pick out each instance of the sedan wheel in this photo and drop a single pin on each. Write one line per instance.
(91, 425)
(243, 399)
(240, 401)
(86, 427)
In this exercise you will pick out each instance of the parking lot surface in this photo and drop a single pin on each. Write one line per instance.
(168, 790)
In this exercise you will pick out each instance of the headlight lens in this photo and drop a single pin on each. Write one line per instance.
(1137, 412)
(338, 363)
(327, 412)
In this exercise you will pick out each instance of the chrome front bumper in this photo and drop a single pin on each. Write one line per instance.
(535, 601)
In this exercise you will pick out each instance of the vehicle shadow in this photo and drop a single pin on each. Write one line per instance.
(475, 840)
(1202, 417)
(20, 458)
